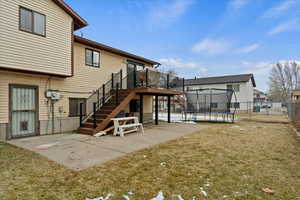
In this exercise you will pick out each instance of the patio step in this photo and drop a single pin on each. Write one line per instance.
(87, 131)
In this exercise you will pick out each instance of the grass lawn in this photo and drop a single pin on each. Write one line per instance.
(236, 162)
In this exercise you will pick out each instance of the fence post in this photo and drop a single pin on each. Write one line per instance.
(117, 94)
(183, 84)
(94, 116)
(169, 108)
(103, 94)
(168, 80)
(147, 73)
(80, 114)
(121, 78)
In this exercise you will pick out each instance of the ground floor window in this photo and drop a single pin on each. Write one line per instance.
(74, 106)
(235, 105)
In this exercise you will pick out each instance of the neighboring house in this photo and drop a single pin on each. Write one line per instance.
(242, 84)
(47, 73)
(259, 97)
(295, 95)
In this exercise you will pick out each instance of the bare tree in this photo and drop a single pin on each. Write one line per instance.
(284, 78)
(172, 72)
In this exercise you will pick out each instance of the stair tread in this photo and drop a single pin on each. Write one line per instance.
(103, 113)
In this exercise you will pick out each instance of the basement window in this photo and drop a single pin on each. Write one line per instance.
(74, 106)
(32, 21)
(92, 58)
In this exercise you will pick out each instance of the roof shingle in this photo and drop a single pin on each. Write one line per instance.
(221, 79)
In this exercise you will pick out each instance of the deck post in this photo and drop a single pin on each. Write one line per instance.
(169, 109)
(156, 109)
(141, 108)
(94, 116)
(80, 114)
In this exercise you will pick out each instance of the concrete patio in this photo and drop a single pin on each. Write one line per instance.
(78, 152)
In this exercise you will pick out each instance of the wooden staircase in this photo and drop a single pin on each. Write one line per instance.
(109, 110)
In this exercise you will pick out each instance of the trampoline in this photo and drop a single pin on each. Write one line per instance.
(210, 104)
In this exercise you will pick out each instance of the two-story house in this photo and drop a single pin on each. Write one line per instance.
(49, 76)
(242, 84)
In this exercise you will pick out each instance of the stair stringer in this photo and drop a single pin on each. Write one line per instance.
(101, 126)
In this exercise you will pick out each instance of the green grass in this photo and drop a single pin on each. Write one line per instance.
(236, 162)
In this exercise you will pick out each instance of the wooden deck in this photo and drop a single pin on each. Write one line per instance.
(156, 91)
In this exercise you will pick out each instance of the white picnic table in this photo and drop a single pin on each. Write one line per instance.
(122, 126)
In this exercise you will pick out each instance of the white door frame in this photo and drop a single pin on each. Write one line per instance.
(11, 87)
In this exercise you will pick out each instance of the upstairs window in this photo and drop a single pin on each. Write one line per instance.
(32, 22)
(92, 58)
(235, 87)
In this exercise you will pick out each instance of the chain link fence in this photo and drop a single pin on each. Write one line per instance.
(243, 110)
(293, 110)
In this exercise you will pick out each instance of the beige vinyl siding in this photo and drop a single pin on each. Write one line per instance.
(85, 80)
(43, 82)
(27, 51)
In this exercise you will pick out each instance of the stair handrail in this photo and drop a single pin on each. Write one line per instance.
(99, 96)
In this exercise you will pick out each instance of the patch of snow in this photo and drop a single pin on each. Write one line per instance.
(189, 122)
(180, 118)
(163, 164)
(203, 192)
(101, 198)
(159, 196)
(126, 197)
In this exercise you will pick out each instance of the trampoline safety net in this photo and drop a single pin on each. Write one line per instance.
(216, 102)
(208, 100)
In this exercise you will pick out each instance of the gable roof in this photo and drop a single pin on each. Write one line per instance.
(221, 80)
(104, 47)
(79, 22)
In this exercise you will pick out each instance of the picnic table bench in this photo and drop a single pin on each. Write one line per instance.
(122, 127)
